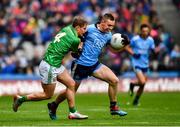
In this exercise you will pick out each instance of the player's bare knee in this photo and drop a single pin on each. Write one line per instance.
(114, 81)
(48, 96)
(72, 85)
(142, 82)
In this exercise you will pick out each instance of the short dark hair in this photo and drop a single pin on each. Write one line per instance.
(144, 26)
(106, 16)
(79, 21)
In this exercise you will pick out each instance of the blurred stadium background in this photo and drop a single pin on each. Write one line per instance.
(27, 26)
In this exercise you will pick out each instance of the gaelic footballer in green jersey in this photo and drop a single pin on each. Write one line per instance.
(66, 40)
(51, 68)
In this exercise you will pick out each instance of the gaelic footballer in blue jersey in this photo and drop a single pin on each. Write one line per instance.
(141, 47)
(98, 35)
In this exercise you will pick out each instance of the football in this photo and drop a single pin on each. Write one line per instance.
(117, 41)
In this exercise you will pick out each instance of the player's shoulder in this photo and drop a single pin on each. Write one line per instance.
(150, 38)
(67, 29)
(91, 26)
(136, 37)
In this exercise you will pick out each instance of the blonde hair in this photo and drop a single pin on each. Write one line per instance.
(79, 21)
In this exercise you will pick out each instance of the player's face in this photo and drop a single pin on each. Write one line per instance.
(145, 32)
(81, 30)
(107, 25)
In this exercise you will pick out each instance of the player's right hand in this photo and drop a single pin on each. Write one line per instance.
(126, 40)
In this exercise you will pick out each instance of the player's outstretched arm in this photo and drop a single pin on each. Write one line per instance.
(130, 51)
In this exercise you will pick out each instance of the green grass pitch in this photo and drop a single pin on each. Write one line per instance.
(156, 109)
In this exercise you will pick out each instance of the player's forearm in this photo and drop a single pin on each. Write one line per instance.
(128, 49)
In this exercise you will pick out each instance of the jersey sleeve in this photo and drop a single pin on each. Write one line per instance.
(152, 47)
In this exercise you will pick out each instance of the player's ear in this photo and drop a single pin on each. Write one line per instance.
(77, 28)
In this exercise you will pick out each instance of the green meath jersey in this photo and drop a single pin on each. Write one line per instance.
(66, 40)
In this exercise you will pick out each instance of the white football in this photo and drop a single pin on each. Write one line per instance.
(117, 41)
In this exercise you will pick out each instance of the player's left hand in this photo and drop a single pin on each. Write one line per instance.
(126, 40)
(76, 54)
(136, 55)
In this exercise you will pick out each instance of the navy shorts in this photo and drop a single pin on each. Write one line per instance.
(137, 69)
(80, 72)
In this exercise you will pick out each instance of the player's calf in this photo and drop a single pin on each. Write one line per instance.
(131, 89)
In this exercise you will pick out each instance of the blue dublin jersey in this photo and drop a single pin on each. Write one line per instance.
(95, 40)
(143, 47)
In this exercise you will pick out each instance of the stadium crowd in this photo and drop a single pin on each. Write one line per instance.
(177, 4)
(27, 26)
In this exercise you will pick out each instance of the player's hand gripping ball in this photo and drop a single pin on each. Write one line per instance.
(118, 41)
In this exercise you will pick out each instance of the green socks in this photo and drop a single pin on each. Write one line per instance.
(72, 110)
(23, 99)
